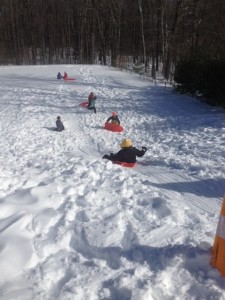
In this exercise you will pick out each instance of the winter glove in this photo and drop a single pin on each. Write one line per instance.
(104, 156)
(144, 148)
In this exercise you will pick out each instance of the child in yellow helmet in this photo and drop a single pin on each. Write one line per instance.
(128, 153)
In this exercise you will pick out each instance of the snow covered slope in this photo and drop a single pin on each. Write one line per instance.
(74, 226)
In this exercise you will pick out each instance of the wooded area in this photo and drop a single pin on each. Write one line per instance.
(146, 33)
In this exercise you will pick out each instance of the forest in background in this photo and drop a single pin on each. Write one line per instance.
(145, 35)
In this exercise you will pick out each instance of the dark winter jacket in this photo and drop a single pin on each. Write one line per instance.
(59, 76)
(59, 125)
(126, 155)
(113, 119)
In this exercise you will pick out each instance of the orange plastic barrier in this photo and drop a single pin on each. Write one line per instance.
(218, 250)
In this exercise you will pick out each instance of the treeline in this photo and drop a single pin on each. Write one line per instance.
(146, 33)
(203, 78)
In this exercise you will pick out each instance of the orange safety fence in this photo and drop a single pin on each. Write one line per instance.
(218, 249)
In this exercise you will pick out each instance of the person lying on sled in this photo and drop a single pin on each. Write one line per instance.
(128, 153)
(114, 119)
(59, 124)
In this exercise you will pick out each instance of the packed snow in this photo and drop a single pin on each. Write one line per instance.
(74, 226)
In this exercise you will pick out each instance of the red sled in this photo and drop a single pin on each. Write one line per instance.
(125, 164)
(113, 127)
(84, 104)
(69, 78)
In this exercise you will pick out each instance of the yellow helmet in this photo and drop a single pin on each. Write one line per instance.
(126, 143)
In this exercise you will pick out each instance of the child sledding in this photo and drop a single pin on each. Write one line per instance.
(64, 77)
(113, 123)
(90, 104)
(127, 155)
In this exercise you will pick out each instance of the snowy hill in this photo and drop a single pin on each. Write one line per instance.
(75, 226)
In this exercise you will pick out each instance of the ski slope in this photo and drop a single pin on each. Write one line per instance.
(75, 226)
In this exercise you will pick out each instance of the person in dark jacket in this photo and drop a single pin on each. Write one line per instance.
(114, 119)
(59, 124)
(91, 102)
(128, 153)
(59, 76)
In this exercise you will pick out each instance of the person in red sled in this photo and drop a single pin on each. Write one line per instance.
(65, 76)
(127, 154)
(114, 119)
